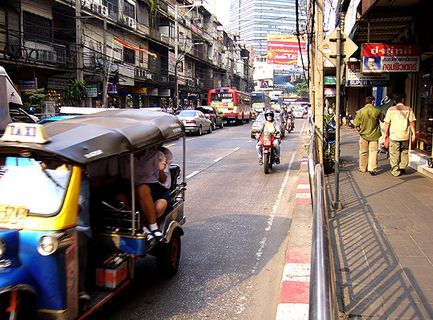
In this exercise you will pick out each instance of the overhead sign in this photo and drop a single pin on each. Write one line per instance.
(380, 57)
(354, 77)
(329, 92)
(285, 49)
(329, 80)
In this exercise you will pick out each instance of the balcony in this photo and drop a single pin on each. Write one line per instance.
(34, 52)
(155, 75)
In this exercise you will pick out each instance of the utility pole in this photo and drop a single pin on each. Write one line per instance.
(178, 59)
(79, 44)
(176, 55)
(106, 67)
(337, 202)
(318, 78)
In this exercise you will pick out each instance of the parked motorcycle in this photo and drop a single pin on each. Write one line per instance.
(268, 151)
(350, 122)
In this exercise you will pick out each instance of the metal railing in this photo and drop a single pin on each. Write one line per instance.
(322, 293)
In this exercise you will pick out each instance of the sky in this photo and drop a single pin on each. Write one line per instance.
(222, 10)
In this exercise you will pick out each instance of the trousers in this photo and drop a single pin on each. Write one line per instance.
(367, 155)
(398, 155)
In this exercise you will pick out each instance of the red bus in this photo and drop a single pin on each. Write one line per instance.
(234, 105)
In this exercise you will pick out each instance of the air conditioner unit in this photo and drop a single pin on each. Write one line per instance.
(87, 4)
(45, 55)
(94, 7)
(130, 22)
(103, 10)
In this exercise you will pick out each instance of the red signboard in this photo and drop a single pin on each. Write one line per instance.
(383, 58)
(284, 49)
(383, 50)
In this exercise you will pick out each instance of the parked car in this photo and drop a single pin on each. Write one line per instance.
(213, 115)
(194, 121)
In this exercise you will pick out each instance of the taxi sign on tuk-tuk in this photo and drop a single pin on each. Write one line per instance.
(25, 132)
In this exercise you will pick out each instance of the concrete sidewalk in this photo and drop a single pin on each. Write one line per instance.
(382, 240)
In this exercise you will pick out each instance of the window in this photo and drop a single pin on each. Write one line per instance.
(37, 27)
(113, 7)
(129, 55)
(129, 9)
(39, 185)
(143, 15)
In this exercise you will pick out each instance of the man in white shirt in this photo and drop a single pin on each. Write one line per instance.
(269, 126)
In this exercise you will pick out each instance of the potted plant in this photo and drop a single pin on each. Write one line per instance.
(75, 93)
(329, 143)
(329, 157)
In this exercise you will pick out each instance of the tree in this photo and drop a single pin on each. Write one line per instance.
(302, 89)
(36, 96)
(75, 93)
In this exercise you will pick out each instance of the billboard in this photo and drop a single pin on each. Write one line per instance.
(287, 79)
(381, 57)
(284, 49)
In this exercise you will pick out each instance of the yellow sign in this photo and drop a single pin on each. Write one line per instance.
(25, 132)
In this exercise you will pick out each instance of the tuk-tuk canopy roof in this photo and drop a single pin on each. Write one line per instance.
(92, 137)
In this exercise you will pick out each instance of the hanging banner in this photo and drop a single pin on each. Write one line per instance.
(284, 49)
(380, 57)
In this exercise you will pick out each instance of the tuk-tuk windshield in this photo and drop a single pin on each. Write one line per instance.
(37, 185)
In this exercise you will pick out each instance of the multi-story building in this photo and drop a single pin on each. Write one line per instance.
(127, 48)
(253, 20)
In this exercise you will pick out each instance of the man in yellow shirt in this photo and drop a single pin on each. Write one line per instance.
(367, 122)
(399, 120)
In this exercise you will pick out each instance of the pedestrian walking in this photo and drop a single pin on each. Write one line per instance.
(367, 122)
(399, 120)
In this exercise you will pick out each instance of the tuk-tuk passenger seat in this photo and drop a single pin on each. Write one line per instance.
(174, 174)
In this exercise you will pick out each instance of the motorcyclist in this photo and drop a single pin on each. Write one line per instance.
(291, 117)
(269, 126)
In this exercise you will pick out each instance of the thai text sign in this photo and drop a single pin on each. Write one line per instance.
(380, 57)
(354, 77)
(284, 49)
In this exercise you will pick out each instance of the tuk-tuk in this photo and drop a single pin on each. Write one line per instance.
(42, 168)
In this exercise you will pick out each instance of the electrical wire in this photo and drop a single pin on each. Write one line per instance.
(299, 37)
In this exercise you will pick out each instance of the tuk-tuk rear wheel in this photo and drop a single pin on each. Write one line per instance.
(168, 257)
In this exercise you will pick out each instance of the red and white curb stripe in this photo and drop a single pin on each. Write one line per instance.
(295, 284)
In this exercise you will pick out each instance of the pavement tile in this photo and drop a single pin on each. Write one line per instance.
(383, 240)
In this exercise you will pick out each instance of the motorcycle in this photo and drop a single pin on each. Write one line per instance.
(290, 124)
(268, 151)
(350, 122)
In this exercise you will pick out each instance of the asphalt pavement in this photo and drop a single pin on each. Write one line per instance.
(382, 240)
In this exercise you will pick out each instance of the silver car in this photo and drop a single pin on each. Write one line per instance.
(194, 121)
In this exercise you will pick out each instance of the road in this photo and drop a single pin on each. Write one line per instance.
(236, 233)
